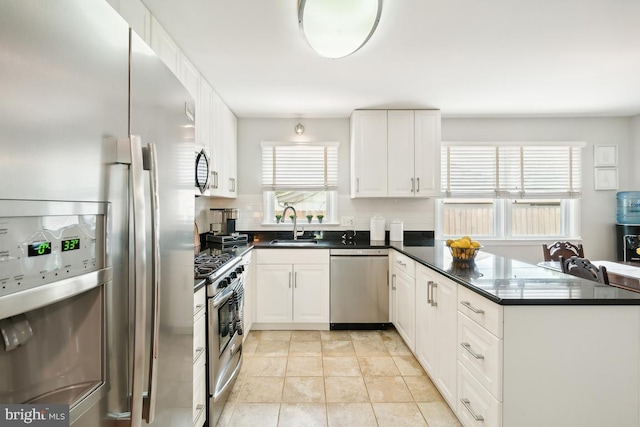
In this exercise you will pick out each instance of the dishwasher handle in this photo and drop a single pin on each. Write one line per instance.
(358, 252)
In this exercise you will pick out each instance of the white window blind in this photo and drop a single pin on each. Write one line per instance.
(300, 166)
(511, 171)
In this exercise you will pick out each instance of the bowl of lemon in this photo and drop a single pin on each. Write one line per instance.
(463, 249)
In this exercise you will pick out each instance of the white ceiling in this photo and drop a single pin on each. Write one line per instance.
(468, 58)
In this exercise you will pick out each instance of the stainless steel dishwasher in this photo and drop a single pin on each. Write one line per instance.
(359, 288)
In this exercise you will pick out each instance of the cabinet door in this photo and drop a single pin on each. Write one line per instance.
(274, 293)
(427, 153)
(231, 152)
(311, 293)
(189, 77)
(164, 46)
(400, 152)
(218, 186)
(138, 17)
(405, 307)
(426, 327)
(445, 295)
(369, 153)
(249, 292)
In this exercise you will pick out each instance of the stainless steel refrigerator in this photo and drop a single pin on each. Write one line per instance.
(91, 216)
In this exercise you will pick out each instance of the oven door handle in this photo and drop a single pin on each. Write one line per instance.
(232, 377)
(150, 163)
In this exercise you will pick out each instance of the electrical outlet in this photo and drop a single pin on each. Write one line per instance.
(346, 221)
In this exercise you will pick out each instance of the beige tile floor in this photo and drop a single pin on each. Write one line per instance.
(334, 379)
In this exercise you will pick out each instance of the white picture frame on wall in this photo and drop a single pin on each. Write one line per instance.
(605, 178)
(605, 155)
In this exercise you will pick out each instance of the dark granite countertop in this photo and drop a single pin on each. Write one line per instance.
(502, 280)
(510, 282)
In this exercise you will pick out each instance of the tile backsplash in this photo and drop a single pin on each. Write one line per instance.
(416, 214)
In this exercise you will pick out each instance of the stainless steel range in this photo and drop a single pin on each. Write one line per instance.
(225, 301)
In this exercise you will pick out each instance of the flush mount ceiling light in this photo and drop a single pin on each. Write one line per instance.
(299, 129)
(337, 28)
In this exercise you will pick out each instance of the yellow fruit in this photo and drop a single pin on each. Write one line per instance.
(463, 243)
(466, 238)
(475, 244)
(455, 244)
(449, 242)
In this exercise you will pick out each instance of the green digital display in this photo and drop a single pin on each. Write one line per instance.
(39, 248)
(70, 245)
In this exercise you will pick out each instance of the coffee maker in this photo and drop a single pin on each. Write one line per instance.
(222, 221)
(222, 227)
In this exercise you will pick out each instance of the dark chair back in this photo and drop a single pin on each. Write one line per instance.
(582, 267)
(562, 249)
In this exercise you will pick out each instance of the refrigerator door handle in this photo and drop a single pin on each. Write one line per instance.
(140, 279)
(150, 162)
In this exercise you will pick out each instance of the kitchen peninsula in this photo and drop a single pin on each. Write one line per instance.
(513, 344)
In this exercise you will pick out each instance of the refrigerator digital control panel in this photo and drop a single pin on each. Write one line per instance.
(37, 250)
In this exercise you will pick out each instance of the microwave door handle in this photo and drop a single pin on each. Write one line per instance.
(150, 160)
(140, 266)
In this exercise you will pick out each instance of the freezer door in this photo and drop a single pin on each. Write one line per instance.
(64, 73)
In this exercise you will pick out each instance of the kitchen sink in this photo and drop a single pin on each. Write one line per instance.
(299, 242)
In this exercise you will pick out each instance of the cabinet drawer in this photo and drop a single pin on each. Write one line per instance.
(199, 394)
(403, 263)
(199, 338)
(292, 256)
(199, 301)
(479, 309)
(481, 353)
(475, 406)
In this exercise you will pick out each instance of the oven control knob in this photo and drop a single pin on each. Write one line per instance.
(224, 283)
(232, 275)
(240, 269)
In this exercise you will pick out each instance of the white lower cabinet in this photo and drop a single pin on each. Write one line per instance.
(475, 405)
(435, 349)
(249, 279)
(292, 287)
(521, 365)
(199, 358)
(403, 285)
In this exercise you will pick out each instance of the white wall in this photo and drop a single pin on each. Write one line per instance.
(634, 158)
(598, 207)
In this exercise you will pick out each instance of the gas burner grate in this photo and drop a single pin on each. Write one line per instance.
(205, 265)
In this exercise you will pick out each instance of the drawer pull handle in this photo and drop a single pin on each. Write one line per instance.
(467, 347)
(401, 263)
(199, 307)
(472, 308)
(200, 409)
(199, 351)
(467, 405)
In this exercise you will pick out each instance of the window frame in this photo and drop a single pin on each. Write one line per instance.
(504, 201)
(327, 184)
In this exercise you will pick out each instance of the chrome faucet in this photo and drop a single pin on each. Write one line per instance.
(295, 222)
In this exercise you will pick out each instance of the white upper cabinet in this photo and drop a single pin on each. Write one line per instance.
(164, 46)
(138, 17)
(395, 153)
(369, 153)
(224, 149)
(400, 153)
(189, 76)
(427, 152)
